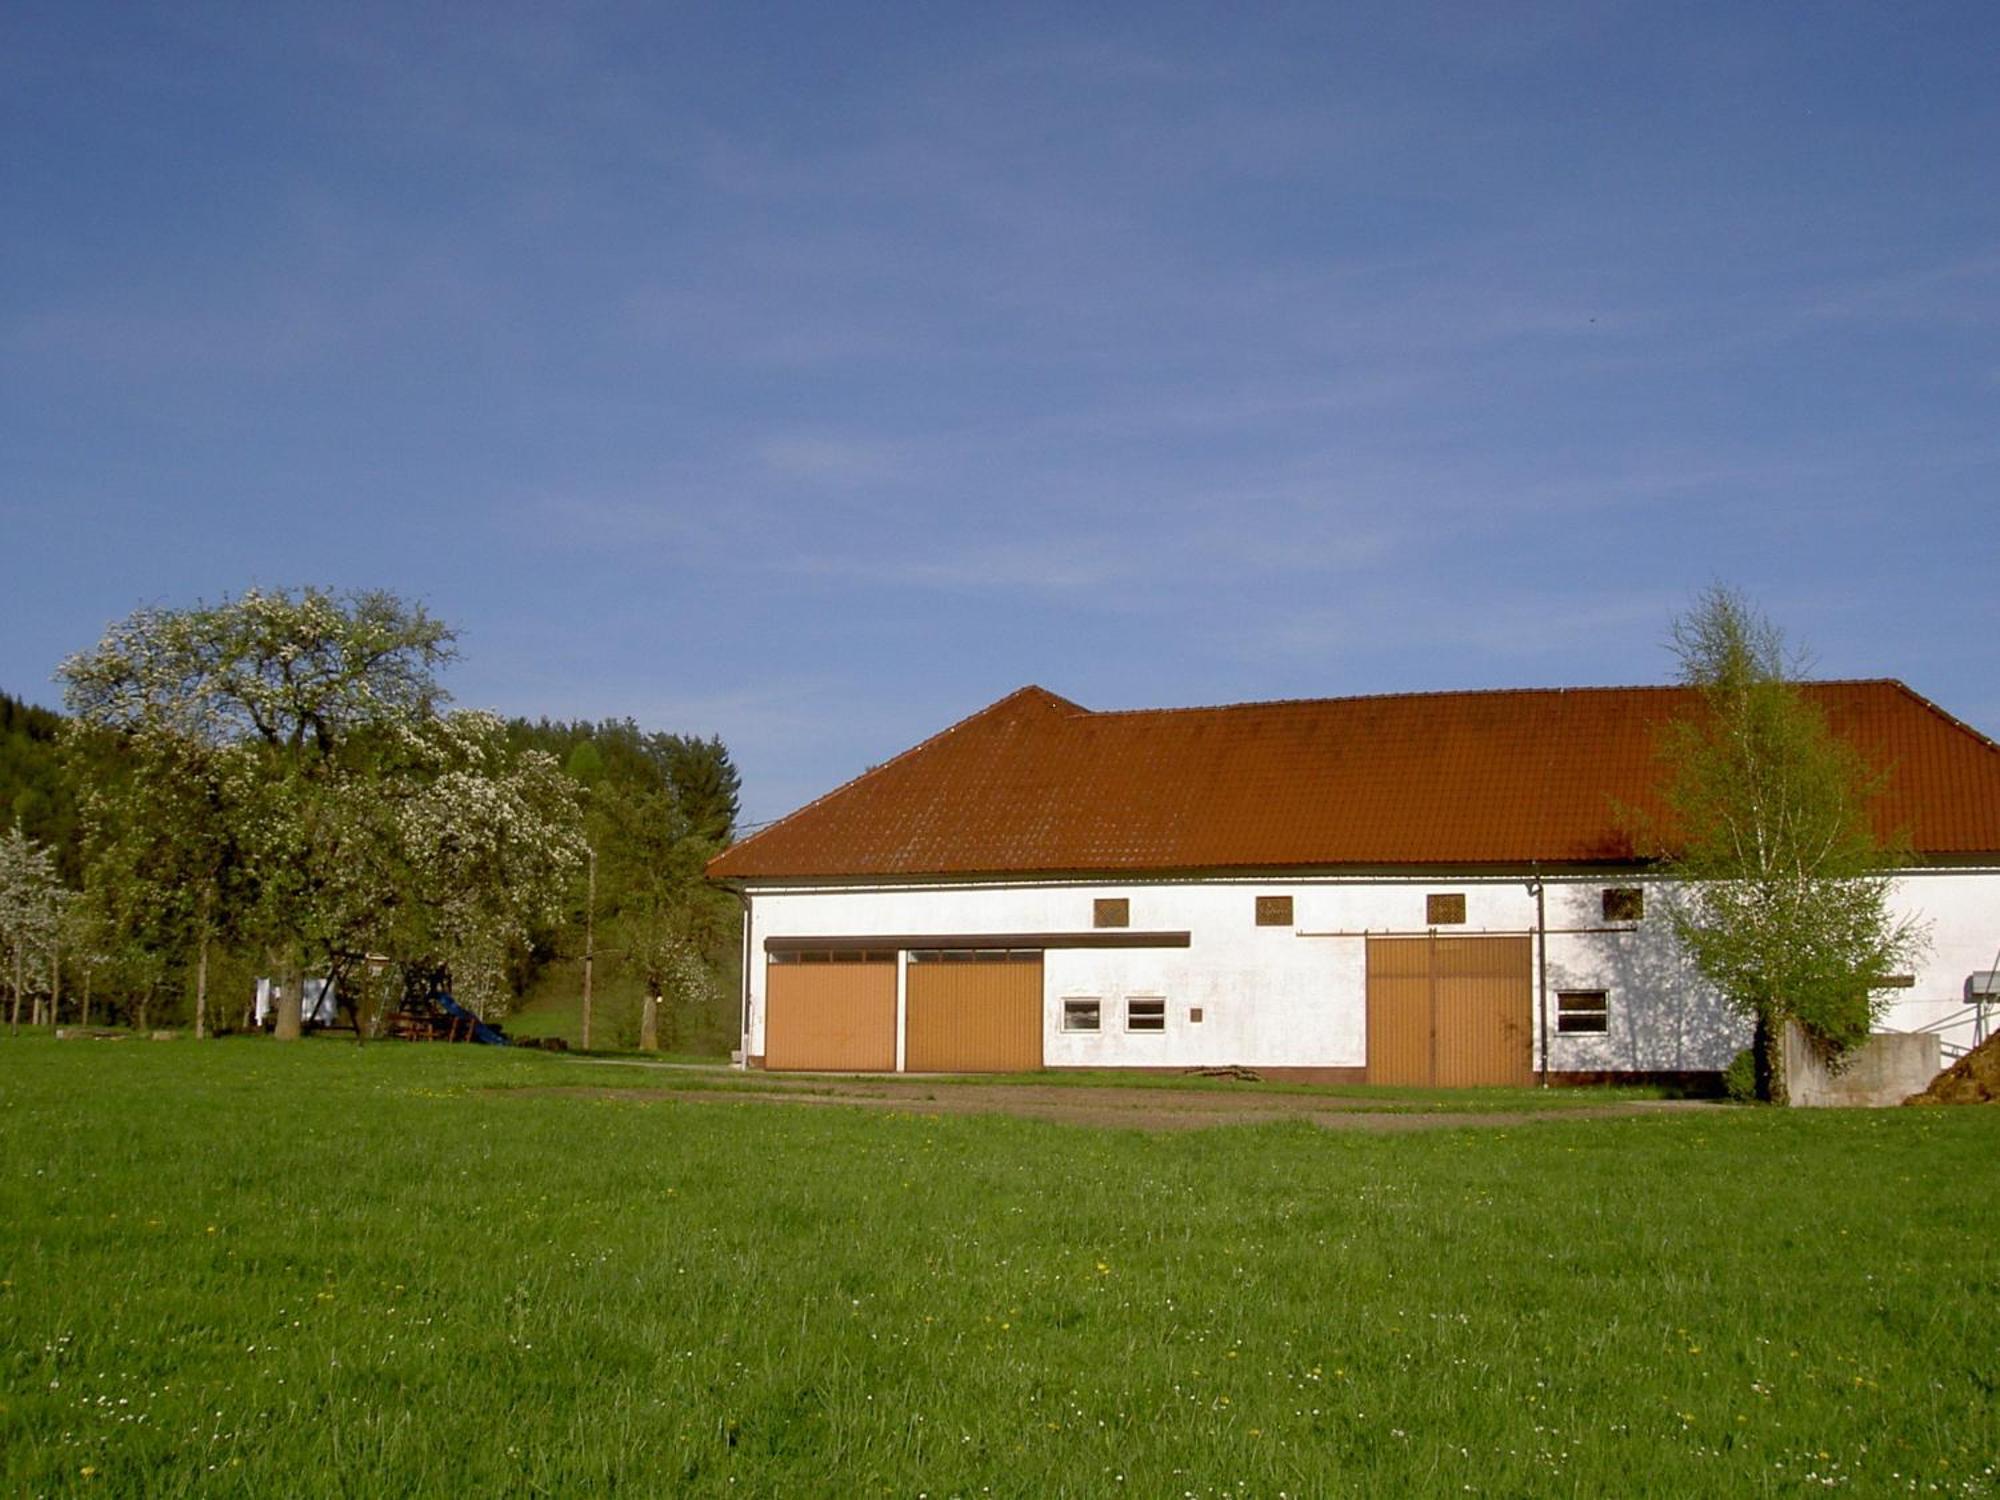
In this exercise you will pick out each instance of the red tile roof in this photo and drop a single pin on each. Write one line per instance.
(1037, 784)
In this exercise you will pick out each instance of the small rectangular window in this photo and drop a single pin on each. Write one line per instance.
(1111, 911)
(1082, 1015)
(1274, 911)
(1624, 903)
(1582, 1010)
(834, 956)
(1444, 910)
(974, 955)
(1146, 1014)
(1194, 1014)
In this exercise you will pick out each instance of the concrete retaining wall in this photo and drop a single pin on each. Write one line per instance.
(1885, 1070)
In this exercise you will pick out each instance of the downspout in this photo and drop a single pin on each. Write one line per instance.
(1542, 965)
(1562, 700)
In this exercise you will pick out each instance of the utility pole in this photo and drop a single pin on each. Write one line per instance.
(589, 943)
(201, 968)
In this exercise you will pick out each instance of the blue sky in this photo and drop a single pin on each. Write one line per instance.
(815, 375)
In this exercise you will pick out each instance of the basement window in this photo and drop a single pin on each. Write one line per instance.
(1582, 1011)
(1111, 911)
(1444, 910)
(1274, 911)
(1145, 1013)
(1624, 903)
(1082, 1014)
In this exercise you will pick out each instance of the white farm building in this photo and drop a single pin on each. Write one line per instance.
(1422, 888)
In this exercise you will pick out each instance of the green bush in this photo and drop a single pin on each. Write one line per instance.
(1739, 1079)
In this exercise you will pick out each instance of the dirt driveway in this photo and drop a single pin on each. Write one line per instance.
(1140, 1108)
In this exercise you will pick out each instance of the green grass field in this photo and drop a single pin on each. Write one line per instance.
(244, 1268)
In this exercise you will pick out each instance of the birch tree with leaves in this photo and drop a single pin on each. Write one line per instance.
(1783, 885)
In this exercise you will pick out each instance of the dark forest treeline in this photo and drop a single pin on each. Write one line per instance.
(35, 794)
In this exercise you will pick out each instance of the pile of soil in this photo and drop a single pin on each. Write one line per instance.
(1973, 1079)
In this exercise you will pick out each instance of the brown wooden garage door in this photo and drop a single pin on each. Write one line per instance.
(1453, 1012)
(973, 1011)
(831, 1012)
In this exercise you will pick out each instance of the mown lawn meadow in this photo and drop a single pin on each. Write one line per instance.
(245, 1268)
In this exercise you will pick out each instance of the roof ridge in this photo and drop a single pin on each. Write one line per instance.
(1033, 691)
(1493, 692)
(1485, 692)
(1943, 713)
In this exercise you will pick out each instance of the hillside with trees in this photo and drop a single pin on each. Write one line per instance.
(275, 786)
(656, 808)
(35, 794)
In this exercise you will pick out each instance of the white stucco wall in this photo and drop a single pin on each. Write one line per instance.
(1295, 997)
(1961, 910)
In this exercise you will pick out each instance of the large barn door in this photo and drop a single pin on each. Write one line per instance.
(831, 1013)
(1453, 1012)
(973, 1011)
(1485, 1003)
(1399, 1010)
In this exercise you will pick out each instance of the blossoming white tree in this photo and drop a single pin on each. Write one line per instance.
(492, 841)
(30, 914)
(342, 813)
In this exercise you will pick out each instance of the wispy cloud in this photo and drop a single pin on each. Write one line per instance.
(1049, 565)
(1955, 292)
(1464, 636)
(835, 460)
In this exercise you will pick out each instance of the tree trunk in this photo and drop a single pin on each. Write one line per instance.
(84, 1019)
(1769, 1052)
(201, 965)
(201, 990)
(350, 996)
(287, 1025)
(20, 980)
(649, 1024)
(589, 945)
(55, 982)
